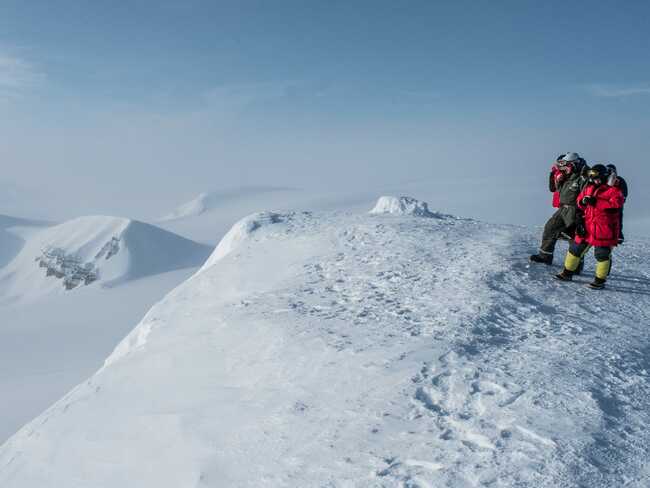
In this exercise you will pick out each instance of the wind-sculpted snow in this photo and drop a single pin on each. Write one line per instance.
(95, 249)
(369, 351)
(241, 232)
(402, 206)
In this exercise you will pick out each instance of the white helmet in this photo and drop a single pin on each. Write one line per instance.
(571, 156)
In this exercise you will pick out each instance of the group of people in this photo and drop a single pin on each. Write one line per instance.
(589, 202)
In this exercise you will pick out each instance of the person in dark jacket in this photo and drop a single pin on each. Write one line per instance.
(567, 179)
(601, 204)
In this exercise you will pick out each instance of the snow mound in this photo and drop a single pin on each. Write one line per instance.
(240, 232)
(85, 250)
(402, 206)
(209, 201)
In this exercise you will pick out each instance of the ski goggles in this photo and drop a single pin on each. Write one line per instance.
(594, 176)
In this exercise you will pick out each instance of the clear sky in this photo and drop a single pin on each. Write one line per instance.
(127, 107)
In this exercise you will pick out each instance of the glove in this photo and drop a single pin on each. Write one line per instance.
(588, 200)
(621, 239)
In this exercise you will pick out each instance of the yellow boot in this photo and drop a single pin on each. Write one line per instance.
(602, 270)
(571, 263)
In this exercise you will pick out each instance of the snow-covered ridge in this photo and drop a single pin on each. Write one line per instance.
(85, 250)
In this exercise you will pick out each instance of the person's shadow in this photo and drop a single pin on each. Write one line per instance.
(637, 285)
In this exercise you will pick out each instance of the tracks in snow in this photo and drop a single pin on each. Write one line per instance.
(549, 387)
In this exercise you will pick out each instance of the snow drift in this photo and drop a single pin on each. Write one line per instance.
(402, 206)
(368, 351)
(241, 232)
(86, 250)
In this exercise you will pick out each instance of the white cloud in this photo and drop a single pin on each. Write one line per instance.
(610, 91)
(16, 76)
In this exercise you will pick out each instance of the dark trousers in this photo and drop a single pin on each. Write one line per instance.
(562, 221)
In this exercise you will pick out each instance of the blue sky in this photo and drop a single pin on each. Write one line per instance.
(308, 93)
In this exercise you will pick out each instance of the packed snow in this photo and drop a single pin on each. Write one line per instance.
(50, 345)
(347, 349)
(86, 250)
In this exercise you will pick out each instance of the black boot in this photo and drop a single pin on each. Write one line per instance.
(542, 258)
(564, 275)
(597, 284)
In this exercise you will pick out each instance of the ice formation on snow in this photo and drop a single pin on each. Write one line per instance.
(402, 206)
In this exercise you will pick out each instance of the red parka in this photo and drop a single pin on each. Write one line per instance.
(602, 220)
(554, 178)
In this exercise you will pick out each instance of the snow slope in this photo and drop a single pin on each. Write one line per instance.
(86, 250)
(50, 345)
(339, 349)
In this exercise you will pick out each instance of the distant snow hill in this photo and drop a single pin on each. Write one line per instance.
(208, 217)
(209, 201)
(86, 250)
(345, 349)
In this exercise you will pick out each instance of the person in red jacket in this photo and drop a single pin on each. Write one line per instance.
(555, 177)
(600, 228)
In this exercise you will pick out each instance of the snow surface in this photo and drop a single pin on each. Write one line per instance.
(50, 345)
(342, 349)
(240, 232)
(108, 249)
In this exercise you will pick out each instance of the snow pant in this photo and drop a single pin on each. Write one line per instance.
(562, 221)
(603, 255)
(621, 228)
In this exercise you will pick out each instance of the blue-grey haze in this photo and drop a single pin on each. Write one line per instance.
(131, 107)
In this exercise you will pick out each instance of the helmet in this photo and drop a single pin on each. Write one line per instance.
(560, 157)
(612, 168)
(598, 174)
(570, 157)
